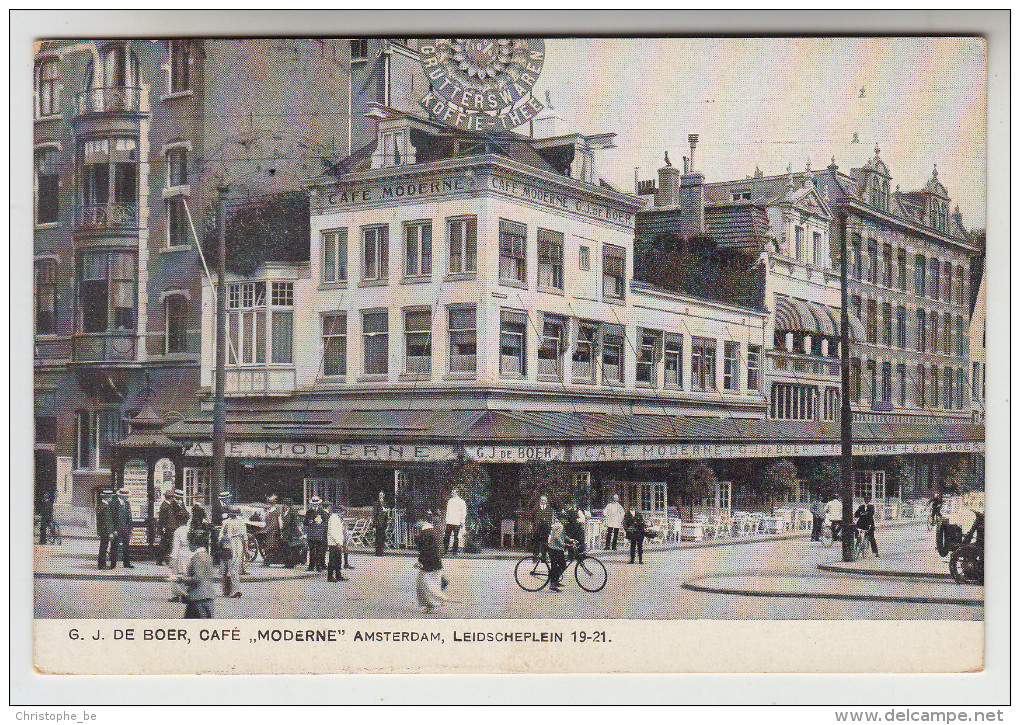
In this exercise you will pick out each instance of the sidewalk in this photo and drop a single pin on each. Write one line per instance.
(915, 564)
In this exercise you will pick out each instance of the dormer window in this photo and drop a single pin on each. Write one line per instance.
(393, 148)
(741, 196)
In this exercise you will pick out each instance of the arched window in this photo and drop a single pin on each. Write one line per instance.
(176, 310)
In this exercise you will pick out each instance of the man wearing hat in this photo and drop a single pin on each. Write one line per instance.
(232, 535)
(180, 511)
(316, 519)
(104, 525)
(271, 529)
(165, 526)
(290, 533)
(120, 508)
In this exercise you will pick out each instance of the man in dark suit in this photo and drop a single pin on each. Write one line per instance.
(634, 525)
(104, 525)
(379, 520)
(120, 508)
(181, 514)
(541, 525)
(865, 516)
(166, 524)
(315, 528)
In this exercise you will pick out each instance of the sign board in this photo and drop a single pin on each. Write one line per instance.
(136, 481)
(164, 476)
(515, 454)
(482, 84)
(331, 451)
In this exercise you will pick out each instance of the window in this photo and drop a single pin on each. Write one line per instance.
(886, 382)
(798, 233)
(375, 328)
(961, 297)
(119, 69)
(830, 404)
(961, 381)
(920, 265)
(463, 339)
(673, 361)
(947, 290)
(394, 147)
(887, 324)
(817, 249)
(283, 323)
(175, 310)
(583, 359)
(552, 346)
(702, 363)
(46, 87)
(921, 384)
(947, 333)
(855, 307)
(933, 279)
(933, 400)
(612, 354)
(872, 381)
(933, 339)
(418, 249)
(197, 486)
(753, 367)
(614, 266)
(901, 268)
(731, 366)
(855, 380)
(873, 261)
(901, 326)
(901, 374)
(359, 49)
(246, 323)
(47, 186)
(463, 235)
(334, 344)
(648, 354)
(176, 222)
(512, 329)
(794, 402)
(177, 166)
(418, 342)
(334, 255)
(887, 275)
(376, 253)
(97, 433)
(584, 258)
(512, 260)
(872, 322)
(106, 291)
(180, 65)
(855, 243)
(46, 297)
(550, 259)
(947, 388)
(922, 321)
(975, 377)
(109, 174)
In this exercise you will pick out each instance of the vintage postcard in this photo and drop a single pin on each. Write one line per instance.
(509, 354)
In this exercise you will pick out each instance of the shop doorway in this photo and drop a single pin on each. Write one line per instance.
(647, 497)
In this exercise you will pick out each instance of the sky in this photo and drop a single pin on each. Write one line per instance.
(774, 103)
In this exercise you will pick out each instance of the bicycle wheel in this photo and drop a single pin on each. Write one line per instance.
(531, 574)
(826, 536)
(590, 573)
(251, 548)
(967, 565)
(860, 549)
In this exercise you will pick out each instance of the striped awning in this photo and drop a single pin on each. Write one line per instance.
(797, 315)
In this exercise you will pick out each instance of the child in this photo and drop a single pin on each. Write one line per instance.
(557, 545)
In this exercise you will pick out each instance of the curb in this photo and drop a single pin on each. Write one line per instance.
(884, 572)
(961, 601)
(162, 579)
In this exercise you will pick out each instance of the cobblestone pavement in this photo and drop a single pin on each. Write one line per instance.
(382, 587)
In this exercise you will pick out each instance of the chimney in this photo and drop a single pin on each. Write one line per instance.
(692, 197)
(667, 194)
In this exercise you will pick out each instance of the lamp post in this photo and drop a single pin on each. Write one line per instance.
(218, 481)
(846, 469)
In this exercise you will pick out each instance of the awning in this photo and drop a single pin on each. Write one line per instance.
(797, 315)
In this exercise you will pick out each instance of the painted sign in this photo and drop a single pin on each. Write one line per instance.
(136, 481)
(515, 454)
(672, 451)
(559, 201)
(407, 452)
(482, 84)
(163, 475)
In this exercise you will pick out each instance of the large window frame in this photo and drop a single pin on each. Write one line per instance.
(177, 227)
(673, 361)
(175, 316)
(649, 352)
(513, 254)
(179, 52)
(418, 249)
(418, 341)
(108, 171)
(552, 346)
(334, 255)
(731, 366)
(873, 261)
(922, 326)
(920, 270)
(614, 272)
(901, 326)
(375, 335)
(887, 265)
(513, 343)
(46, 87)
(462, 237)
(901, 271)
(887, 324)
(462, 326)
(45, 297)
(177, 166)
(703, 351)
(97, 433)
(583, 359)
(260, 323)
(47, 185)
(107, 294)
(334, 344)
(612, 355)
(375, 253)
(550, 260)
(753, 368)
(934, 274)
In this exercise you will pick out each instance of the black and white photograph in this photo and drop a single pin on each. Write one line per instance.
(433, 342)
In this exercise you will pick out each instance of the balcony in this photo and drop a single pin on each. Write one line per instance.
(120, 99)
(112, 215)
(258, 381)
(799, 364)
(104, 347)
(52, 348)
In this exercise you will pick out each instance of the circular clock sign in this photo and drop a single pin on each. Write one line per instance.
(481, 84)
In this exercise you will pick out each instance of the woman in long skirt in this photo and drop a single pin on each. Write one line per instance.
(431, 583)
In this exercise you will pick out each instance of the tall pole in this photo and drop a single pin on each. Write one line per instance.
(846, 472)
(218, 482)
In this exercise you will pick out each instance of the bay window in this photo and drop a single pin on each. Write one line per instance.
(106, 291)
(108, 175)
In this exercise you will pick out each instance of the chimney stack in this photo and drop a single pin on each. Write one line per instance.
(668, 192)
(692, 197)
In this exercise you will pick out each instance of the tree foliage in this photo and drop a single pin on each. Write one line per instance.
(777, 478)
(823, 477)
(698, 482)
(274, 228)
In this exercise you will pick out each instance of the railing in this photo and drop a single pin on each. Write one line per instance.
(799, 363)
(55, 348)
(104, 216)
(258, 381)
(98, 347)
(105, 100)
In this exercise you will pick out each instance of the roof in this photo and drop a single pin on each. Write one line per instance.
(738, 226)
(501, 426)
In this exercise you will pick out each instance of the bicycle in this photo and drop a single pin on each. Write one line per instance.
(826, 536)
(532, 574)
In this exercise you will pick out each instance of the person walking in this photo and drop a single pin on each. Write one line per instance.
(834, 514)
(233, 532)
(456, 515)
(612, 515)
(817, 518)
(431, 583)
(865, 516)
(541, 525)
(180, 557)
(199, 577)
(379, 520)
(557, 545)
(315, 527)
(271, 531)
(290, 534)
(634, 526)
(104, 526)
(165, 526)
(120, 508)
(336, 540)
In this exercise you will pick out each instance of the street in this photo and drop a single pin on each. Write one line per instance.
(485, 588)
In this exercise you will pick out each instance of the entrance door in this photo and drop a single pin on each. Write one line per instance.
(723, 496)
(648, 498)
(328, 489)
